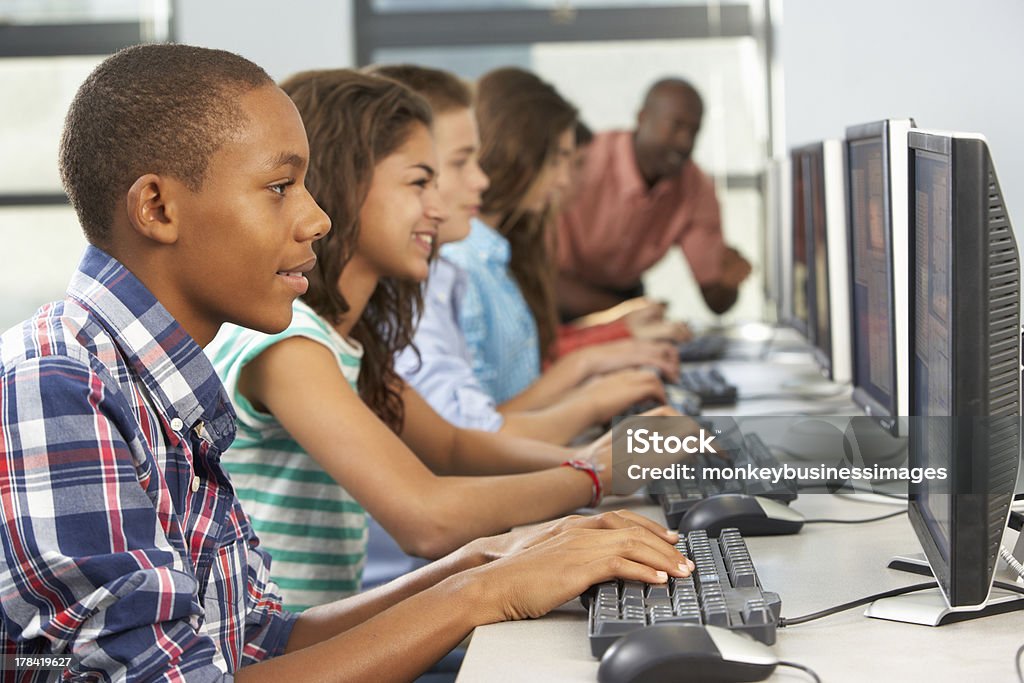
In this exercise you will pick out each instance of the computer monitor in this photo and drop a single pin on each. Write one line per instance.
(776, 239)
(827, 278)
(799, 313)
(965, 384)
(876, 181)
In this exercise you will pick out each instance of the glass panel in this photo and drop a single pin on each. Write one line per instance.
(554, 5)
(467, 62)
(607, 80)
(81, 11)
(31, 121)
(42, 246)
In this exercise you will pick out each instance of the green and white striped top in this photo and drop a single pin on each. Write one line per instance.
(314, 530)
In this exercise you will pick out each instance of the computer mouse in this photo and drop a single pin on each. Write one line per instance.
(681, 653)
(752, 515)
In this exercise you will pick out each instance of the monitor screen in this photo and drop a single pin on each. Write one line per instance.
(818, 279)
(872, 316)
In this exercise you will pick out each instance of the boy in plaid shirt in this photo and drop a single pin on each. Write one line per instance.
(123, 543)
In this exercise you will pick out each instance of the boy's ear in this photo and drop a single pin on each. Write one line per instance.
(151, 210)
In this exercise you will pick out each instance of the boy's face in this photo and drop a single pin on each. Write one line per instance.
(462, 181)
(247, 235)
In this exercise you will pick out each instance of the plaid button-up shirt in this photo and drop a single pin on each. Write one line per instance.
(123, 542)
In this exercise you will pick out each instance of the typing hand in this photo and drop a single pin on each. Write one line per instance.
(641, 312)
(612, 394)
(517, 540)
(662, 330)
(535, 580)
(630, 353)
(601, 450)
(681, 428)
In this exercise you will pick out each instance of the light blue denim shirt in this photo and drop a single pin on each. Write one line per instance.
(496, 323)
(443, 373)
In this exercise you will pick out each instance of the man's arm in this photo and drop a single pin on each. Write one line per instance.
(720, 296)
(576, 298)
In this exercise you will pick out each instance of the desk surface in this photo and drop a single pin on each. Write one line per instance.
(822, 566)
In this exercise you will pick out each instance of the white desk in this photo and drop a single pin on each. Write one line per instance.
(822, 566)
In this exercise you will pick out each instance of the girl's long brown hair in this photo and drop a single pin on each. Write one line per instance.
(520, 118)
(353, 122)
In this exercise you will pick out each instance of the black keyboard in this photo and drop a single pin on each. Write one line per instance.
(703, 348)
(724, 590)
(678, 398)
(709, 385)
(677, 496)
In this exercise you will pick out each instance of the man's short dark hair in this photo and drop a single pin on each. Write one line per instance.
(156, 108)
(665, 84)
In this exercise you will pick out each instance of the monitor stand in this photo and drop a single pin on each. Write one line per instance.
(929, 607)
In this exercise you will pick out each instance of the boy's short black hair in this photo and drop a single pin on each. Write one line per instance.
(156, 108)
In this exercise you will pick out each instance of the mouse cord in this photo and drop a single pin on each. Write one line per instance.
(784, 622)
(855, 521)
(1016, 663)
(810, 672)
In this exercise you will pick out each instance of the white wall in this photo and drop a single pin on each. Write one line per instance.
(283, 38)
(951, 64)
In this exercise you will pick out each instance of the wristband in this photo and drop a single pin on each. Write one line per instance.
(596, 488)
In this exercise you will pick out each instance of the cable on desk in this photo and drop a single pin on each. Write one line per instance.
(855, 521)
(784, 622)
(810, 672)
(1016, 663)
(827, 488)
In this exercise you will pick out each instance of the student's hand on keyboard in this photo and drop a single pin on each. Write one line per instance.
(517, 540)
(682, 427)
(600, 451)
(613, 393)
(643, 312)
(535, 580)
(662, 330)
(630, 353)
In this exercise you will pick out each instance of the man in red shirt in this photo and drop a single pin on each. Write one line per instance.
(639, 194)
